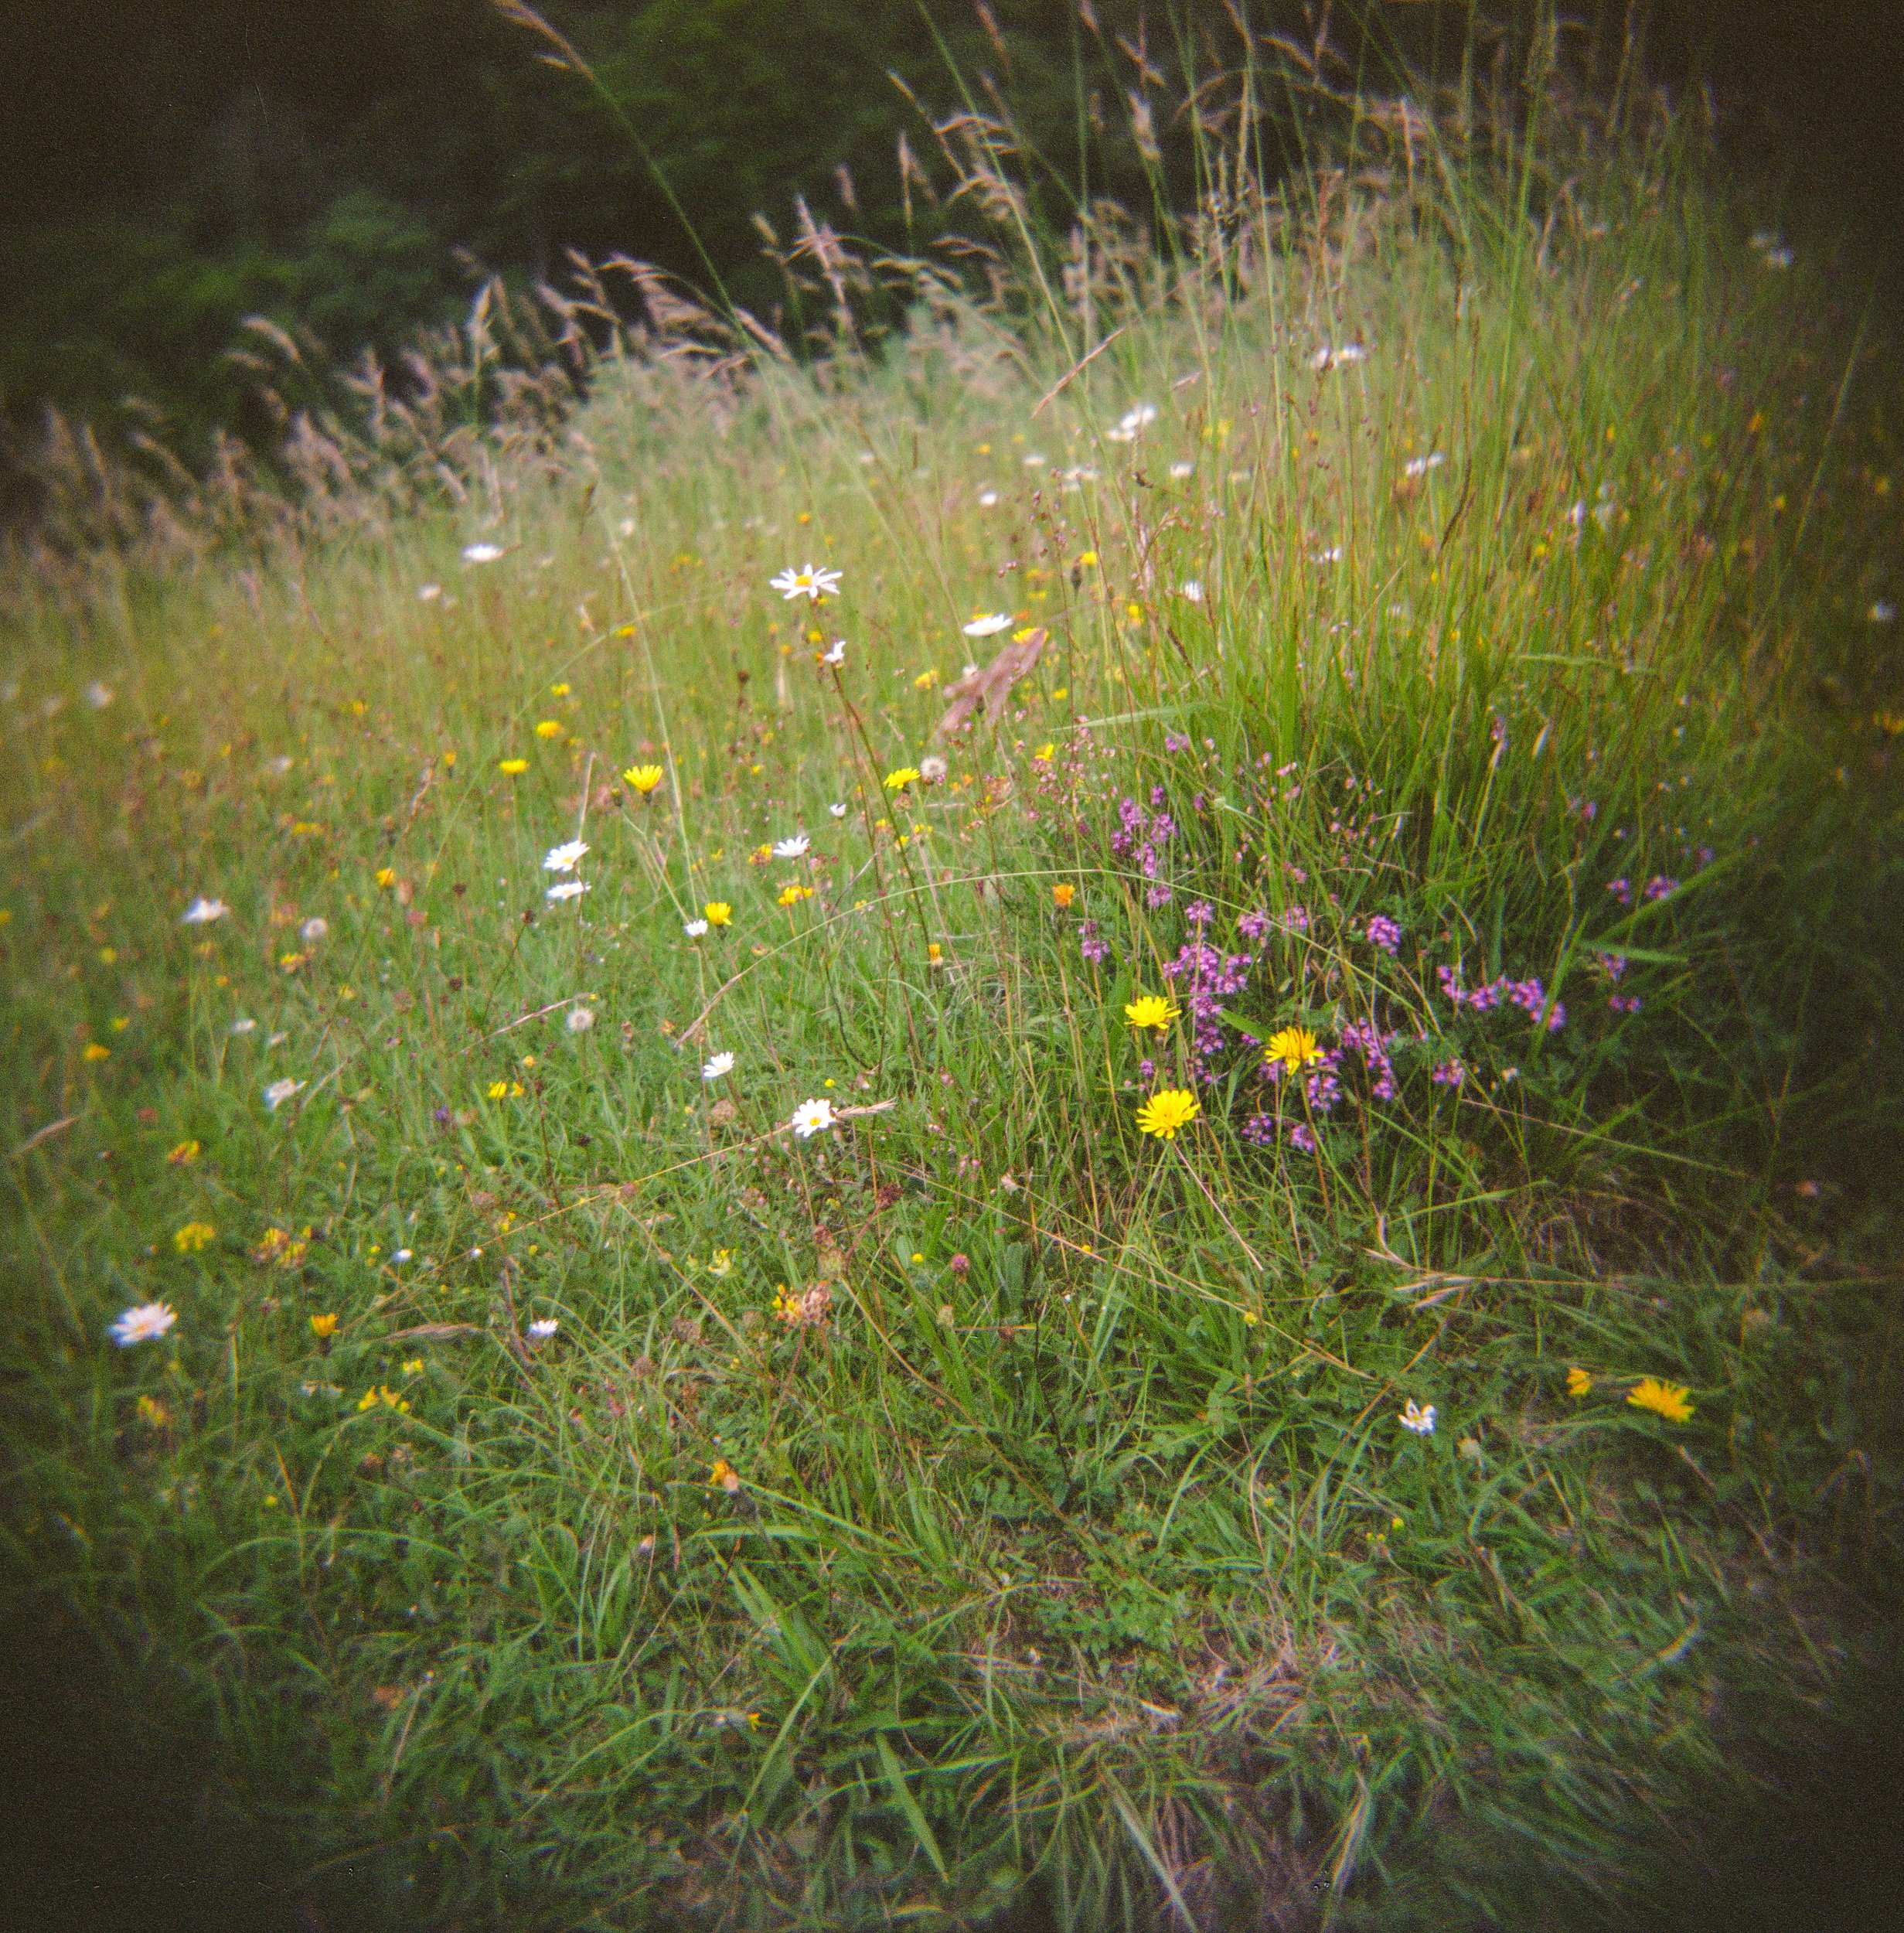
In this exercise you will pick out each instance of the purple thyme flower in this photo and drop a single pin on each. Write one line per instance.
(1383, 932)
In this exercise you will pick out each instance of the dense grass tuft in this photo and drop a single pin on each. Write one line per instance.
(981, 1504)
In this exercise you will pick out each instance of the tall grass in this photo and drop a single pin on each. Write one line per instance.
(981, 1506)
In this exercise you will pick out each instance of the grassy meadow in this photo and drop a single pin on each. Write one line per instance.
(583, 1480)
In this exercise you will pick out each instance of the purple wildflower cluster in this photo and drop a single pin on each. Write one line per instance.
(1209, 978)
(1091, 944)
(1528, 995)
(1139, 833)
(1382, 931)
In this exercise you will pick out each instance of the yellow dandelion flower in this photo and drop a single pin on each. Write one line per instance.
(385, 876)
(1578, 1381)
(718, 913)
(512, 768)
(498, 1090)
(897, 779)
(548, 728)
(323, 1327)
(935, 954)
(1151, 1010)
(792, 894)
(559, 691)
(1044, 751)
(1667, 1399)
(1294, 1046)
(643, 779)
(1063, 894)
(183, 1155)
(194, 1236)
(724, 1476)
(96, 1051)
(1164, 1113)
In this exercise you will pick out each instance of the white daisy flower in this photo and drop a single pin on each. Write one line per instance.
(1421, 465)
(243, 1024)
(811, 1118)
(987, 625)
(793, 848)
(838, 809)
(568, 889)
(203, 911)
(1119, 434)
(281, 1091)
(315, 928)
(717, 1065)
(1420, 1420)
(401, 1256)
(1193, 589)
(835, 653)
(1180, 471)
(581, 1019)
(810, 581)
(1037, 461)
(543, 1328)
(145, 1322)
(694, 929)
(1136, 417)
(562, 858)
(988, 500)
(428, 593)
(481, 553)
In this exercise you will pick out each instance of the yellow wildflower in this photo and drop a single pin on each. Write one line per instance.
(718, 913)
(559, 691)
(724, 1476)
(1063, 894)
(384, 1394)
(153, 1412)
(385, 876)
(515, 768)
(194, 1236)
(1667, 1399)
(900, 776)
(498, 1090)
(1044, 751)
(95, 1051)
(1164, 1113)
(1578, 1381)
(1294, 1046)
(1151, 1010)
(323, 1327)
(548, 728)
(183, 1155)
(643, 779)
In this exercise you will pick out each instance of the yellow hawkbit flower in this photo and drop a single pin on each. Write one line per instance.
(514, 768)
(1151, 1010)
(559, 691)
(1164, 1113)
(96, 1051)
(183, 1155)
(1044, 751)
(1063, 894)
(900, 776)
(194, 1236)
(935, 954)
(1294, 1046)
(323, 1327)
(1667, 1399)
(548, 728)
(498, 1090)
(792, 893)
(1578, 1381)
(724, 1476)
(643, 779)
(718, 913)
(386, 876)
(384, 1394)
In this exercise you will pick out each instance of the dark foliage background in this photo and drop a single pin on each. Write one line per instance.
(356, 166)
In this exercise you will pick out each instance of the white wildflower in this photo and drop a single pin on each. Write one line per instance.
(567, 889)
(145, 1322)
(1180, 470)
(203, 911)
(1421, 465)
(810, 581)
(1193, 589)
(718, 1064)
(835, 654)
(838, 809)
(543, 1328)
(811, 1118)
(562, 858)
(694, 929)
(281, 1091)
(428, 593)
(98, 696)
(931, 768)
(1420, 1420)
(988, 625)
(315, 928)
(988, 500)
(793, 848)
(581, 1019)
(481, 553)
(243, 1024)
